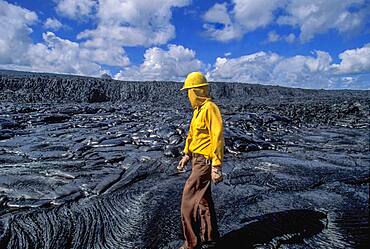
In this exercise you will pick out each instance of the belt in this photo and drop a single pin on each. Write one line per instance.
(196, 155)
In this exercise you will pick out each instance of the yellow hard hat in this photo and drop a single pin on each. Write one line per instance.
(194, 79)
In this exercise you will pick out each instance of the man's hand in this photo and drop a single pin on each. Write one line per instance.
(216, 174)
(182, 164)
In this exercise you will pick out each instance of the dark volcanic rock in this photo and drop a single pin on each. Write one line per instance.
(349, 107)
(54, 118)
(8, 124)
(103, 175)
(97, 95)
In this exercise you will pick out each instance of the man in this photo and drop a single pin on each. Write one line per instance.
(205, 147)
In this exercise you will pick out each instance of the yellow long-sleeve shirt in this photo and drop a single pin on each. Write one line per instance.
(206, 133)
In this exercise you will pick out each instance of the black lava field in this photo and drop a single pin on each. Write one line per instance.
(91, 163)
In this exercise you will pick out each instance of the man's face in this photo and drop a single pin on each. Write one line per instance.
(190, 93)
(191, 96)
(197, 95)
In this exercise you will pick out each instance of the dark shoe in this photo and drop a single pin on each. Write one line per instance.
(208, 244)
(196, 247)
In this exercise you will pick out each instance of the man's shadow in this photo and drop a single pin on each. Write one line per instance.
(287, 227)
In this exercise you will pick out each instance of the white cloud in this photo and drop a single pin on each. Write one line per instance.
(311, 17)
(171, 64)
(76, 9)
(111, 55)
(358, 81)
(304, 71)
(272, 36)
(317, 16)
(314, 71)
(133, 23)
(245, 16)
(229, 32)
(310, 64)
(251, 14)
(53, 54)
(290, 38)
(354, 60)
(62, 56)
(59, 55)
(52, 23)
(218, 14)
(255, 67)
(15, 29)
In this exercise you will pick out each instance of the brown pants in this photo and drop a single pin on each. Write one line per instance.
(197, 199)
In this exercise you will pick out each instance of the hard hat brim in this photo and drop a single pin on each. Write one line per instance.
(185, 88)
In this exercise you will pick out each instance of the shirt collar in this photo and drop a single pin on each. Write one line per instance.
(198, 108)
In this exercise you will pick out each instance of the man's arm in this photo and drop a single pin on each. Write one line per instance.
(186, 153)
(188, 139)
(216, 131)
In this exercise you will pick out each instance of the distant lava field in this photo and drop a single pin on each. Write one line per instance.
(91, 163)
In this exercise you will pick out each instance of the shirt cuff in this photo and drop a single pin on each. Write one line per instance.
(186, 152)
(216, 162)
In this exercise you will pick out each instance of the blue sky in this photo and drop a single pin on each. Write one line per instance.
(305, 43)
